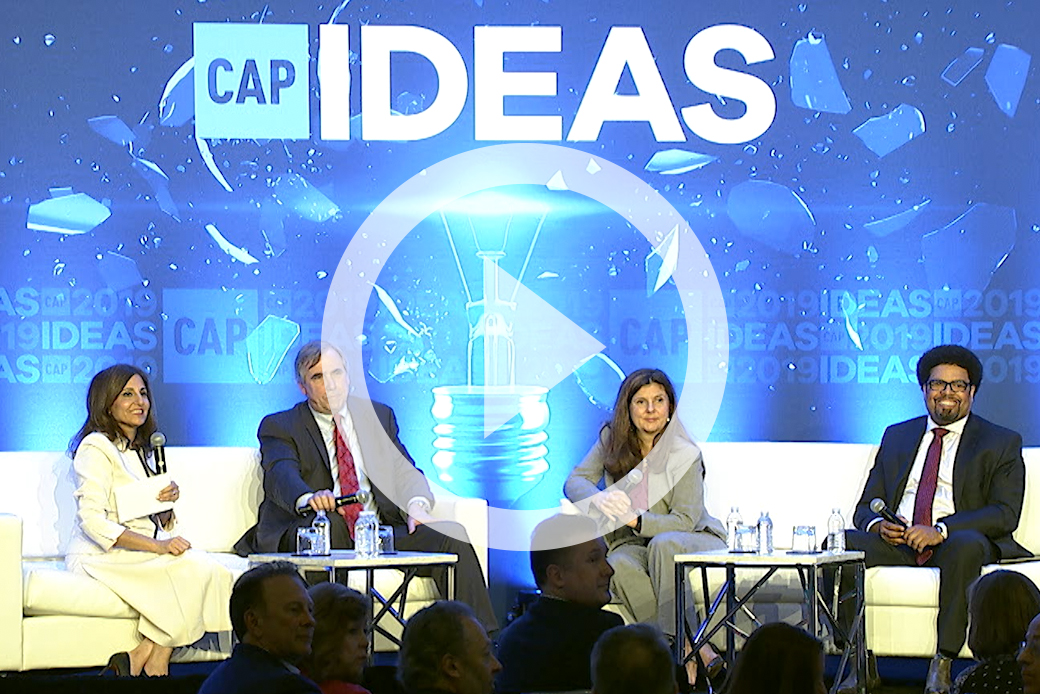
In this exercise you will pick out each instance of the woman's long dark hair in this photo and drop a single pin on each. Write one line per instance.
(104, 388)
(778, 659)
(1001, 604)
(622, 443)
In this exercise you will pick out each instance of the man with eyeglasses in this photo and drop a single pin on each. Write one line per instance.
(957, 482)
(1029, 658)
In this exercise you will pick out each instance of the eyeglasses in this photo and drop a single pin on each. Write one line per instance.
(938, 385)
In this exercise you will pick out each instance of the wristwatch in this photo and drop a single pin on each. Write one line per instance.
(942, 530)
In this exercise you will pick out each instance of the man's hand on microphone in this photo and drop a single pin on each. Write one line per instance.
(921, 537)
(323, 500)
(891, 533)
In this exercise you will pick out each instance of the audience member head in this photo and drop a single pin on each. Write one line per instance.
(1029, 658)
(270, 609)
(578, 570)
(105, 388)
(623, 443)
(778, 659)
(445, 647)
(321, 375)
(633, 658)
(1000, 605)
(339, 649)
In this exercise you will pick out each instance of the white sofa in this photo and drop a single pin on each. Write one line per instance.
(52, 618)
(799, 484)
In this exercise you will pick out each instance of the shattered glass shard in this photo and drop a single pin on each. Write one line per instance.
(211, 163)
(408, 103)
(814, 81)
(548, 275)
(557, 182)
(177, 103)
(396, 346)
(295, 193)
(965, 253)
(961, 66)
(599, 378)
(67, 213)
(119, 272)
(1006, 77)
(677, 161)
(593, 167)
(851, 312)
(239, 254)
(885, 134)
(160, 184)
(112, 128)
(772, 214)
(272, 226)
(661, 262)
(267, 346)
(887, 225)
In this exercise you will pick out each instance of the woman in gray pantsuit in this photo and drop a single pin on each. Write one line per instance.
(652, 504)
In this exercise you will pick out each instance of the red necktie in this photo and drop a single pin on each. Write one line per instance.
(926, 487)
(348, 479)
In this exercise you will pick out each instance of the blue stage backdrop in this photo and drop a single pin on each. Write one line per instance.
(178, 182)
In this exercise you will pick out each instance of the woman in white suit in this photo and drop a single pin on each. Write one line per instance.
(180, 593)
(656, 509)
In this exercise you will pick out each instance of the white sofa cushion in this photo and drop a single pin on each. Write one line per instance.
(48, 589)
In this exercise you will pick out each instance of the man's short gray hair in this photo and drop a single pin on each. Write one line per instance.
(633, 658)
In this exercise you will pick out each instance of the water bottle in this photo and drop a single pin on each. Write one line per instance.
(321, 530)
(366, 535)
(733, 521)
(836, 532)
(765, 534)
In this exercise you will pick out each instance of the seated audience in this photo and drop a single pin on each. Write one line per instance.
(1000, 606)
(633, 658)
(778, 659)
(339, 649)
(1029, 658)
(272, 616)
(548, 648)
(445, 650)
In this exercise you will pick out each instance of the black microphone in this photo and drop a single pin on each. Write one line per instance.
(358, 497)
(158, 441)
(878, 506)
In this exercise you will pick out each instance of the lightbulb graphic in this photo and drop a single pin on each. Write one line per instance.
(490, 432)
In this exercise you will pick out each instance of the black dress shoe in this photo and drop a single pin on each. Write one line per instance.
(716, 672)
(938, 680)
(118, 665)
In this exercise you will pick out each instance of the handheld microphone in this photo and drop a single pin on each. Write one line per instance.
(878, 506)
(358, 497)
(158, 442)
(632, 479)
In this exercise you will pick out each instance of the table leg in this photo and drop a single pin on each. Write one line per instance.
(813, 616)
(451, 588)
(731, 606)
(861, 627)
(680, 611)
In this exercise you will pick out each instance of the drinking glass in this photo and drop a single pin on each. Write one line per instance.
(307, 539)
(385, 542)
(803, 539)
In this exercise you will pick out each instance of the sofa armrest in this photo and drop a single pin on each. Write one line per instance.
(472, 514)
(10, 592)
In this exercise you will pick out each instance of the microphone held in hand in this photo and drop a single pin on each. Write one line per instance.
(158, 442)
(358, 497)
(878, 506)
(632, 479)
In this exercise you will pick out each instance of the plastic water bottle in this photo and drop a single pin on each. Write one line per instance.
(765, 533)
(322, 544)
(836, 532)
(733, 521)
(366, 535)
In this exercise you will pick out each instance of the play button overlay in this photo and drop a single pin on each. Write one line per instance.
(491, 436)
(546, 348)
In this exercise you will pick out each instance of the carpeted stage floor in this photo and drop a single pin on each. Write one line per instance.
(899, 676)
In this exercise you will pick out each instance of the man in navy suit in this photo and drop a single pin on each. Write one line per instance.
(273, 617)
(301, 450)
(956, 481)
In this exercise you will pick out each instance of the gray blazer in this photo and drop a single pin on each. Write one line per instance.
(675, 478)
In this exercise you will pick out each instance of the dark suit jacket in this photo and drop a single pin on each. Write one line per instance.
(295, 462)
(988, 479)
(252, 670)
(548, 648)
